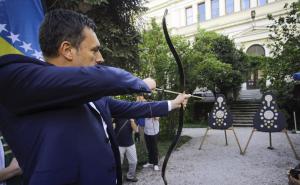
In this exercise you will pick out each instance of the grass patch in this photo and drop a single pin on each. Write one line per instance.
(194, 126)
(202, 124)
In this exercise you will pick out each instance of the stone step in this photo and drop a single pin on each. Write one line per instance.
(238, 113)
(244, 110)
(247, 102)
(235, 111)
(245, 105)
(247, 97)
(242, 125)
(242, 117)
(238, 108)
(243, 121)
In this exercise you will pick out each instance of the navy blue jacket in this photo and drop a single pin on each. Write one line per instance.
(296, 76)
(123, 132)
(54, 135)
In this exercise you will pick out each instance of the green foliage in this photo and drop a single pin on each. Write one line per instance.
(215, 62)
(154, 54)
(115, 27)
(157, 61)
(208, 71)
(285, 48)
(211, 61)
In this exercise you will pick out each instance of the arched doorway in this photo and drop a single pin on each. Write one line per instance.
(252, 80)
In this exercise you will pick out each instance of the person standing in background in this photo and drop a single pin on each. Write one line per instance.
(123, 130)
(151, 131)
(8, 172)
(141, 122)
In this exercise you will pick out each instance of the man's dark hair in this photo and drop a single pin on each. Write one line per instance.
(62, 25)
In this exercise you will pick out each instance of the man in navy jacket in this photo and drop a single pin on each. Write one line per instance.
(56, 115)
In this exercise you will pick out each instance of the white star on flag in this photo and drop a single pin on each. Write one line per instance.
(38, 55)
(26, 46)
(13, 37)
(2, 27)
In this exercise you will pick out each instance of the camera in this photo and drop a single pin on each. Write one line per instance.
(294, 173)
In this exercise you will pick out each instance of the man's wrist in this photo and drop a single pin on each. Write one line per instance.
(169, 105)
(172, 105)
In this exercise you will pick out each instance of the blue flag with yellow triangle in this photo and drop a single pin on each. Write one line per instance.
(19, 27)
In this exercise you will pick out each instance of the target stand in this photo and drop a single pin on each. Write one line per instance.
(220, 118)
(269, 119)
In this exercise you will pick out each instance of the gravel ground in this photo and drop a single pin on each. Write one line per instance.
(217, 164)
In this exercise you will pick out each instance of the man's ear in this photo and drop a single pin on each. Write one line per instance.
(66, 50)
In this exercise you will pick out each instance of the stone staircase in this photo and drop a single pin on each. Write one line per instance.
(243, 112)
(244, 109)
(250, 95)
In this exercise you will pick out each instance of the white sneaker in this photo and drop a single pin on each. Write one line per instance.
(156, 168)
(147, 165)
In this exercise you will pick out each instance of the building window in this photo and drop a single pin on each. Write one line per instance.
(201, 12)
(214, 8)
(229, 6)
(262, 2)
(245, 4)
(189, 16)
(256, 50)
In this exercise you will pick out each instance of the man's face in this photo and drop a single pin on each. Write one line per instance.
(88, 54)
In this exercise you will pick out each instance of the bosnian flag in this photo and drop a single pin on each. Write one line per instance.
(19, 27)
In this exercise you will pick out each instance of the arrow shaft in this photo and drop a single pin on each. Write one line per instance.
(173, 92)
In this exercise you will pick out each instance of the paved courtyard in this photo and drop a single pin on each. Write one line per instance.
(217, 164)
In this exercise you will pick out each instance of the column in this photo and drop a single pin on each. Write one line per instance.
(237, 5)
(195, 13)
(208, 9)
(253, 3)
(222, 7)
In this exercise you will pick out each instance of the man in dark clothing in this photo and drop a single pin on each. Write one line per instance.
(123, 130)
(56, 115)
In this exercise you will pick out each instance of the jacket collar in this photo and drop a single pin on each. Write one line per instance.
(15, 58)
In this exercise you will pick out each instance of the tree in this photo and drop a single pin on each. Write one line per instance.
(157, 61)
(156, 58)
(285, 48)
(215, 62)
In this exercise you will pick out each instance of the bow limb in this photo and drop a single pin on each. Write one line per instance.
(182, 87)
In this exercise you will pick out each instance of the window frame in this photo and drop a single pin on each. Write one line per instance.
(198, 11)
(226, 13)
(263, 4)
(256, 45)
(186, 16)
(217, 9)
(242, 3)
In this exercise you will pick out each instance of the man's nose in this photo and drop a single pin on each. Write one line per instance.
(99, 58)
